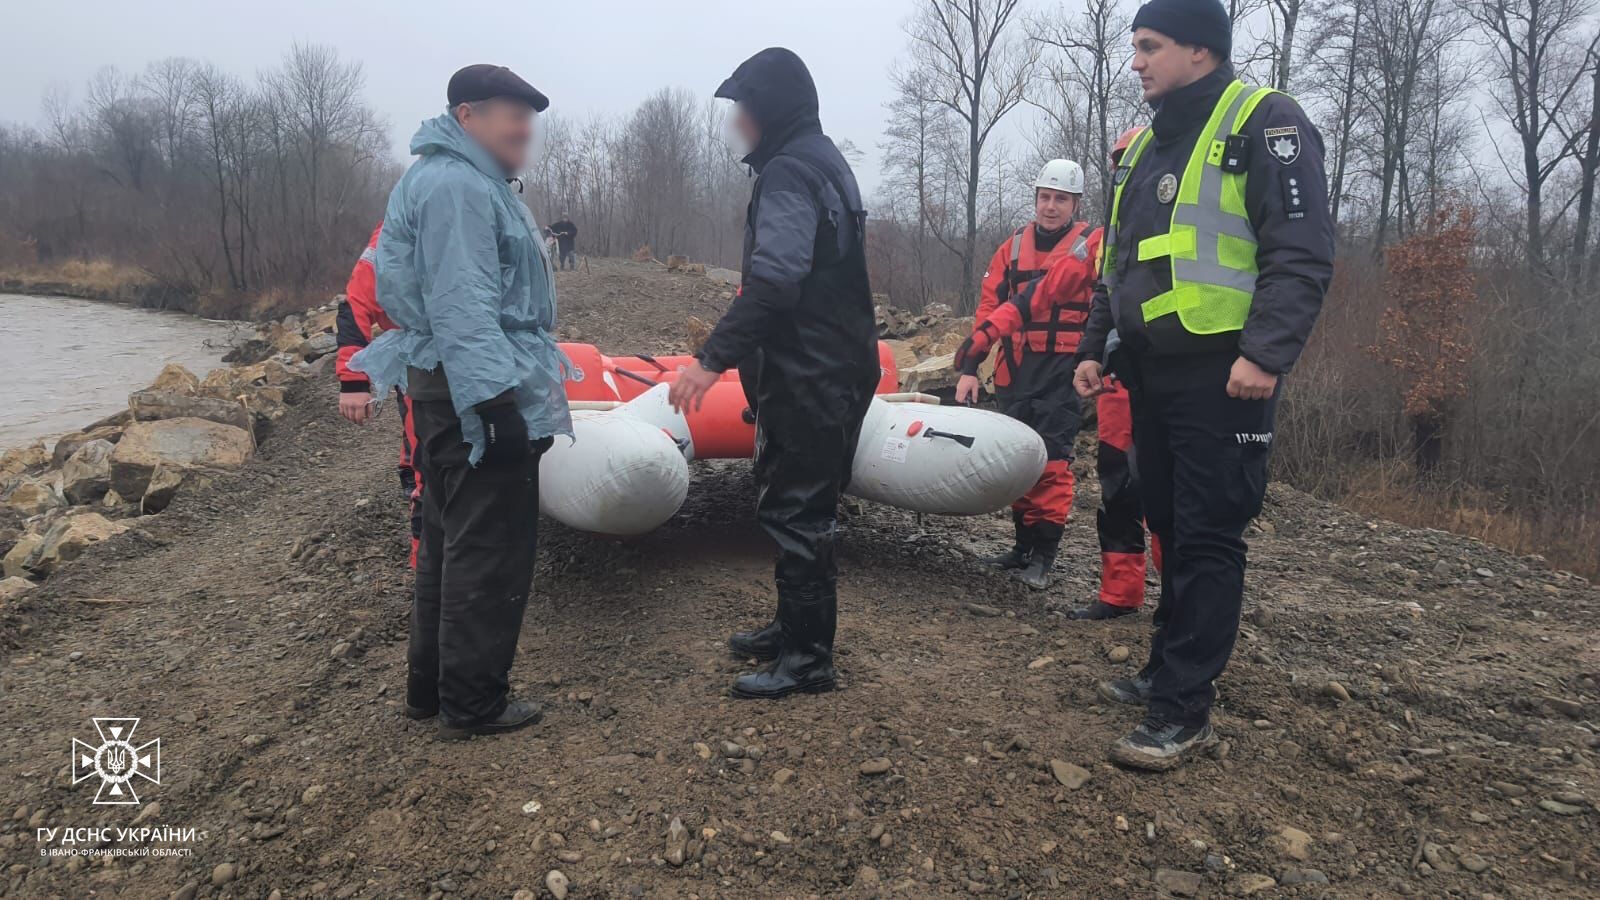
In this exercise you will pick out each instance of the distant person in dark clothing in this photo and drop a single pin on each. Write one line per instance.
(566, 240)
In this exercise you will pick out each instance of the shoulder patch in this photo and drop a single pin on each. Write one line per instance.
(1283, 143)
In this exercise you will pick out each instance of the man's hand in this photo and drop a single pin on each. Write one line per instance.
(967, 389)
(1088, 380)
(689, 391)
(357, 407)
(1249, 381)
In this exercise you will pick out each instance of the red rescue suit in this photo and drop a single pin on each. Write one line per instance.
(1120, 519)
(1034, 305)
(359, 313)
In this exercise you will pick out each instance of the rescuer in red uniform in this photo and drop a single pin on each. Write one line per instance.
(1120, 519)
(358, 314)
(1037, 321)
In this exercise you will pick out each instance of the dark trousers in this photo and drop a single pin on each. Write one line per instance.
(1040, 393)
(474, 570)
(569, 259)
(802, 466)
(1202, 459)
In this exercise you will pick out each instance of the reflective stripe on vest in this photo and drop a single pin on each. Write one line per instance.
(1210, 242)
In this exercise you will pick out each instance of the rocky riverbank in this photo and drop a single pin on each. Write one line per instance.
(60, 495)
(1409, 713)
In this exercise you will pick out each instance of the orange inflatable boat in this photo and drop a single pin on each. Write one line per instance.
(722, 428)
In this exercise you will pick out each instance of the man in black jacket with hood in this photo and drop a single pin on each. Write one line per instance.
(802, 333)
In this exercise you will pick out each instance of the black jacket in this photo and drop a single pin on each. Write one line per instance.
(805, 303)
(566, 235)
(1294, 232)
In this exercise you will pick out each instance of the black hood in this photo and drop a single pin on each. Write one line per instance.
(775, 87)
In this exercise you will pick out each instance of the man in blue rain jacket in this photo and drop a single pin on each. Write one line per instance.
(464, 274)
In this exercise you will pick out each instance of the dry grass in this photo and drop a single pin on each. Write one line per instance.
(98, 279)
(119, 283)
(1392, 491)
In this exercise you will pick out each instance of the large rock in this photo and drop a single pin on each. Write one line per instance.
(725, 276)
(905, 355)
(175, 379)
(181, 443)
(939, 373)
(68, 538)
(14, 587)
(32, 496)
(21, 459)
(14, 563)
(86, 476)
(156, 406)
(284, 337)
(69, 444)
(324, 319)
(164, 484)
(317, 346)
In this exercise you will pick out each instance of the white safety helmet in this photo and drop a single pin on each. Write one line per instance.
(1061, 175)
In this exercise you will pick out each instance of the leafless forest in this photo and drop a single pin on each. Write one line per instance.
(1453, 380)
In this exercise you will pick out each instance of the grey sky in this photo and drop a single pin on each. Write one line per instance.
(587, 56)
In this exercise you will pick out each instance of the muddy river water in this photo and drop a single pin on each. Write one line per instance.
(65, 363)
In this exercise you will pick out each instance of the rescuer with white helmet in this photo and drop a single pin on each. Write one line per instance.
(1037, 331)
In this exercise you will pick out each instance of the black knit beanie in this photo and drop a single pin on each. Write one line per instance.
(1204, 23)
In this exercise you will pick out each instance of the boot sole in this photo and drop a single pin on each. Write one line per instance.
(417, 714)
(450, 733)
(820, 687)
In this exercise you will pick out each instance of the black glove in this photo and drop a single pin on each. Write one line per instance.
(505, 435)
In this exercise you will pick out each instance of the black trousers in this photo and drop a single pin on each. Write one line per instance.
(474, 570)
(802, 465)
(1202, 459)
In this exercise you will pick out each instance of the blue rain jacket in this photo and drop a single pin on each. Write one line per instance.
(468, 282)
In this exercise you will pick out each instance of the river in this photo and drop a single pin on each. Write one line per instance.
(69, 362)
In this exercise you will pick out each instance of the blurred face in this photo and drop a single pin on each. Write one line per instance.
(504, 128)
(1052, 208)
(1164, 65)
(743, 134)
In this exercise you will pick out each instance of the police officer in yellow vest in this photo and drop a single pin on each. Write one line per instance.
(1216, 260)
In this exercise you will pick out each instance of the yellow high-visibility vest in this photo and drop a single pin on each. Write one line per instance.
(1210, 243)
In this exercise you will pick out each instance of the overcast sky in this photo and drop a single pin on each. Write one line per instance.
(588, 56)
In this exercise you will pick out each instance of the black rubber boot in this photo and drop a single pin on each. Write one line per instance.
(1019, 554)
(761, 643)
(1046, 538)
(517, 714)
(422, 692)
(1099, 609)
(807, 616)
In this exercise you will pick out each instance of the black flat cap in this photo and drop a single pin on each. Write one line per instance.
(483, 81)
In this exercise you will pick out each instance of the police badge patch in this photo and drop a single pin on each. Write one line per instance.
(1167, 188)
(1283, 143)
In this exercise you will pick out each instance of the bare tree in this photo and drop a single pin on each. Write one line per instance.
(978, 65)
(1089, 101)
(1538, 66)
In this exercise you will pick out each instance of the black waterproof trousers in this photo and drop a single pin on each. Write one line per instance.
(474, 570)
(1202, 459)
(804, 453)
